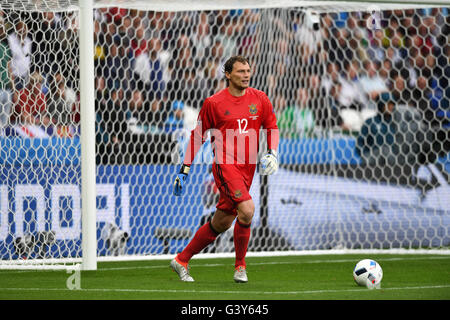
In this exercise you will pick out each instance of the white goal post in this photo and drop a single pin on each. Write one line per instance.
(89, 147)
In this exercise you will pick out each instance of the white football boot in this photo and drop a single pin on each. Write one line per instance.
(181, 270)
(240, 275)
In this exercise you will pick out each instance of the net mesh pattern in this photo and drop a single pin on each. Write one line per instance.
(361, 99)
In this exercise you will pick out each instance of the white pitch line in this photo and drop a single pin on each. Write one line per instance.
(274, 262)
(360, 290)
(253, 263)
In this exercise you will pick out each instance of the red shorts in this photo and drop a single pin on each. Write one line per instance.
(234, 188)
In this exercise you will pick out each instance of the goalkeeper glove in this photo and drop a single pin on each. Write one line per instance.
(269, 163)
(180, 180)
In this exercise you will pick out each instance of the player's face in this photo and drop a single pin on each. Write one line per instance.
(239, 77)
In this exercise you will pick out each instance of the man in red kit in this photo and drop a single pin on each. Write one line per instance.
(233, 117)
(31, 107)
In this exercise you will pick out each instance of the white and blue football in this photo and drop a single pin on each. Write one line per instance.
(368, 273)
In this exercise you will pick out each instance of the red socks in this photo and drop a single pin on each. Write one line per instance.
(241, 238)
(204, 236)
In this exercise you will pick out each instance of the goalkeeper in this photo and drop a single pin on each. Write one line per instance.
(236, 113)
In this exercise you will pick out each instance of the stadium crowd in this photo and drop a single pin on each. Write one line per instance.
(154, 69)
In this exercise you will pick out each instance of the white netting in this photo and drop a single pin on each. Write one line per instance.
(327, 69)
(39, 116)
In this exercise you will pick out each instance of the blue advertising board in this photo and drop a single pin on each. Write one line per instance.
(40, 191)
(137, 199)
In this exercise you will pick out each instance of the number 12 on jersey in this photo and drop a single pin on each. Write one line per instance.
(242, 123)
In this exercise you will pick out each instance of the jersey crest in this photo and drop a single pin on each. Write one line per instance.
(252, 109)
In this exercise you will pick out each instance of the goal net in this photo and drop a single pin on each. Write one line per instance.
(360, 91)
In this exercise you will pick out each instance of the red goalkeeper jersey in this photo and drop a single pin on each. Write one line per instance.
(234, 124)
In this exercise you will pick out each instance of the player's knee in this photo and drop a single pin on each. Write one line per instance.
(246, 211)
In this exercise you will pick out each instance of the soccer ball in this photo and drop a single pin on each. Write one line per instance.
(368, 273)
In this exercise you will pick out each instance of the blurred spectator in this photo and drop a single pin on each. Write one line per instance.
(376, 138)
(46, 48)
(357, 26)
(20, 44)
(351, 100)
(163, 56)
(421, 95)
(372, 84)
(395, 42)
(431, 72)
(201, 38)
(442, 67)
(101, 92)
(5, 82)
(227, 37)
(400, 92)
(331, 89)
(308, 39)
(68, 65)
(146, 114)
(282, 67)
(139, 43)
(295, 120)
(388, 148)
(99, 47)
(138, 110)
(337, 47)
(248, 37)
(61, 102)
(115, 14)
(385, 70)
(217, 56)
(100, 15)
(31, 107)
(423, 40)
(435, 113)
(188, 88)
(184, 55)
(309, 98)
(116, 67)
(176, 116)
(148, 69)
(126, 31)
(110, 32)
(211, 77)
(152, 74)
(350, 96)
(157, 75)
(146, 141)
(111, 129)
(157, 115)
(330, 77)
(375, 50)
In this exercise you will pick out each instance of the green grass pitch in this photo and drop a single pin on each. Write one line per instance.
(313, 277)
